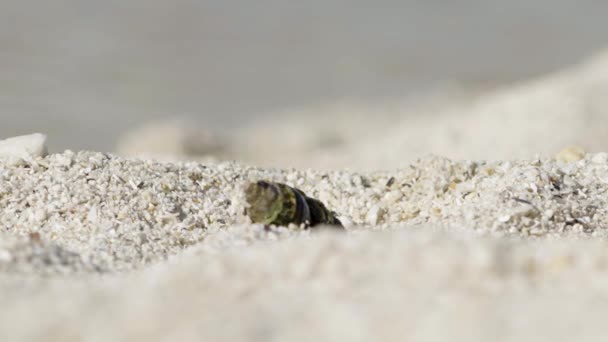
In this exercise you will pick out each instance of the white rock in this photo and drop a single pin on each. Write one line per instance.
(64, 159)
(23, 147)
(40, 215)
(504, 218)
(600, 158)
(346, 222)
(392, 197)
(373, 215)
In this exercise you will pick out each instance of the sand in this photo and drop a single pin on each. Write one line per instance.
(496, 236)
(539, 116)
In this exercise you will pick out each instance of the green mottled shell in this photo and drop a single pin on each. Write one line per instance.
(280, 204)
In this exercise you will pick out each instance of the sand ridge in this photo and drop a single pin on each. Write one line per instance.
(121, 213)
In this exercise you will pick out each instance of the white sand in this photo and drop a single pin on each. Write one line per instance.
(99, 247)
(76, 224)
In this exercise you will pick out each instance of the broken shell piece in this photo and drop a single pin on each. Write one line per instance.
(23, 147)
(280, 204)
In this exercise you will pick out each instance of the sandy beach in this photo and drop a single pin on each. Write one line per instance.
(509, 245)
(462, 146)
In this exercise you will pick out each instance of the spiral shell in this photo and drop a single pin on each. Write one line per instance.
(281, 205)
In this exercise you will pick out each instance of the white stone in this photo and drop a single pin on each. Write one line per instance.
(392, 197)
(373, 215)
(600, 158)
(92, 215)
(40, 215)
(504, 218)
(23, 147)
(65, 159)
(346, 222)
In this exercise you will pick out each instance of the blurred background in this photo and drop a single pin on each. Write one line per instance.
(88, 72)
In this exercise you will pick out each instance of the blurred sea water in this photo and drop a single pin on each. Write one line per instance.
(85, 72)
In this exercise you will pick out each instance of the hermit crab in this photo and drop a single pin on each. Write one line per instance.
(281, 205)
